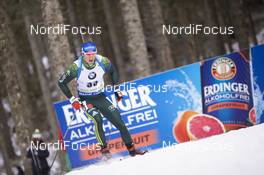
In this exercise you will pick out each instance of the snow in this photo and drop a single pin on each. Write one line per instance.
(30, 68)
(235, 47)
(260, 37)
(1, 160)
(6, 105)
(237, 152)
(45, 62)
(56, 165)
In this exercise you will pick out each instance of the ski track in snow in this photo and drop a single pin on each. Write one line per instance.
(237, 152)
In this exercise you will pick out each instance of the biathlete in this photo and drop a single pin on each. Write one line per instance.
(89, 70)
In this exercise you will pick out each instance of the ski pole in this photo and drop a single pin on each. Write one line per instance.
(56, 154)
(67, 129)
(33, 158)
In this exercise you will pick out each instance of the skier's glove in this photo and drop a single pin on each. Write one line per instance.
(119, 95)
(76, 104)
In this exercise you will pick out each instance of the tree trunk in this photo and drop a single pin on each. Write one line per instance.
(224, 19)
(73, 21)
(197, 41)
(213, 44)
(172, 16)
(157, 42)
(191, 40)
(58, 50)
(14, 85)
(5, 138)
(58, 45)
(3, 119)
(3, 149)
(240, 22)
(41, 77)
(253, 34)
(136, 44)
(114, 40)
(89, 18)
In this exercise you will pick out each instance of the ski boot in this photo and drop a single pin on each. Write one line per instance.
(133, 151)
(106, 155)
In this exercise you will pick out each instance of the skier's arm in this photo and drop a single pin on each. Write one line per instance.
(114, 75)
(66, 77)
(111, 70)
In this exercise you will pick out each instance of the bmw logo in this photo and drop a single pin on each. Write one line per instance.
(92, 75)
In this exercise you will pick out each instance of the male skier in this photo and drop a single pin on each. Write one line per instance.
(89, 70)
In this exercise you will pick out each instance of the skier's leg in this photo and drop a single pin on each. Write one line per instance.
(113, 115)
(96, 117)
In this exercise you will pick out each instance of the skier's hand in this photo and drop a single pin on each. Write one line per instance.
(76, 104)
(86, 106)
(119, 95)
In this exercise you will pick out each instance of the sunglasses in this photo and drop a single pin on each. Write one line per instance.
(89, 54)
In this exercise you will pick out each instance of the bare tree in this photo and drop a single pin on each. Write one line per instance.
(214, 43)
(247, 7)
(4, 118)
(41, 76)
(185, 19)
(157, 42)
(15, 85)
(179, 44)
(5, 138)
(59, 53)
(114, 39)
(224, 19)
(240, 21)
(4, 153)
(89, 19)
(58, 44)
(73, 21)
(136, 44)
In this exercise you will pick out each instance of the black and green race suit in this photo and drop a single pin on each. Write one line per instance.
(89, 77)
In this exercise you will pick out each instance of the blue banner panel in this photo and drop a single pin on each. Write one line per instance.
(257, 55)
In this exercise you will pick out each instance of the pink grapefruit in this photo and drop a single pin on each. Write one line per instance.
(179, 129)
(203, 125)
(252, 116)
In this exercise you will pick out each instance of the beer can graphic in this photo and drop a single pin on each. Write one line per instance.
(227, 89)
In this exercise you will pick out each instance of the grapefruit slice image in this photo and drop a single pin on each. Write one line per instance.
(252, 116)
(179, 129)
(203, 125)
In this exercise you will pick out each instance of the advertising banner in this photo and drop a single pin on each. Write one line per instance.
(179, 105)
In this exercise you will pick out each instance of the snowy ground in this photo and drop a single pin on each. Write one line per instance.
(238, 152)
